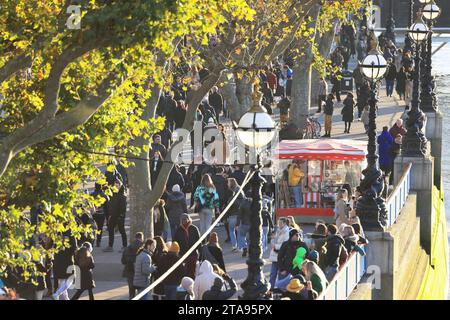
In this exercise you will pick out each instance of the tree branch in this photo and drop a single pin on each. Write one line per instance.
(14, 65)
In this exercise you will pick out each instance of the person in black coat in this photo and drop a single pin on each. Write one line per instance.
(187, 235)
(362, 99)
(171, 282)
(243, 222)
(170, 107)
(347, 112)
(63, 259)
(213, 252)
(287, 253)
(117, 208)
(128, 259)
(390, 77)
(175, 177)
(217, 293)
(216, 101)
(401, 83)
(85, 262)
(175, 207)
(335, 247)
(180, 114)
(328, 111)
(100, 212)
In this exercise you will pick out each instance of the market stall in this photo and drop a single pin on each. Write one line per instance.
(324, 167)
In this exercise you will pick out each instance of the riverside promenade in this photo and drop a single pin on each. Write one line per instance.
(108, 269)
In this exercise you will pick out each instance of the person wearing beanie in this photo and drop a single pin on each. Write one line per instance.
(172, 281)
(186, 290)
(175, 207)
(174, 248)
(213, 252)
(295, 290)
(287, 253)
(313, 256)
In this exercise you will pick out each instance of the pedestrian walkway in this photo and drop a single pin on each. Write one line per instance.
(108, 270)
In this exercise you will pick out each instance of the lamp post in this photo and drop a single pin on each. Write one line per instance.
(428, 95)
(255, 130)
(408, 42)
(390, 25)
(416, 143)
(371, 208)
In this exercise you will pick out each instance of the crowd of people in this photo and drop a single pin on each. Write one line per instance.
(299, 270)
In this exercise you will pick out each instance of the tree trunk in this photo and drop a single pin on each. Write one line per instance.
(139, 194)
(301, 92)
(238, 95)
(140, 190)
(325, 43)
(301, 81)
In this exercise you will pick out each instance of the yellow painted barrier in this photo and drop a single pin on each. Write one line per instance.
(435, 281)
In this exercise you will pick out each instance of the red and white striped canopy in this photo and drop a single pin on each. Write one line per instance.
(322, 149)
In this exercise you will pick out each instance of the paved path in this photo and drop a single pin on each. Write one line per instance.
(108, 271)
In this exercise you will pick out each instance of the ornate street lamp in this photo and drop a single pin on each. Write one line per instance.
(428, 95)
(390, 25)
(371, 208)
(256, 129)
(408, 42)
(416, 143)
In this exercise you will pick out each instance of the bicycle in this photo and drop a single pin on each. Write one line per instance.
(312, 128)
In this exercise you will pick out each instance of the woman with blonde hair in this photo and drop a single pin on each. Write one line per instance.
(341, 209)
(292, 224)
(206, 200)
(314, 274)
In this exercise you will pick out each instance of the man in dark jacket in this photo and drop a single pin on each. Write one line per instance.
(244, 221)
(175, 207)
(216, 101)
(216, 292)
(157, 146)
(117, 208)
(221, 186)
(334, 248)
(128, 260)
(187, 235)
(64, 259)
(175, 177)
(101, 212)
(288, 252)
(390, 77)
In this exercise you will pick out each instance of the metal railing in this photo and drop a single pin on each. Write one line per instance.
(397, 198)
(346, 280)
(349, 275)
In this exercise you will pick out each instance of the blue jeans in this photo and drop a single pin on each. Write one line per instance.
(145, 296)
(206, 219)
(170, 291)
(273, 275)
(242, 236)
(282, 283)
(298, 196)
(231, 229)
(265, 232)
(390, 87)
